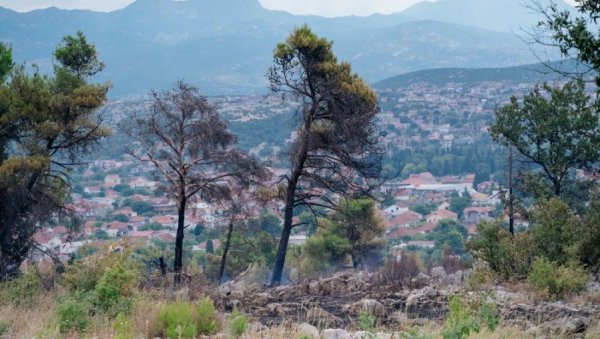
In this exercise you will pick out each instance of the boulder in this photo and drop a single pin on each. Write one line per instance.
(426, 303)
(438, 273)
(421, 279)
(372, 307)
(319, 317)
(398, 317)
(454, 279)
(276, 309)
(307, 330)
(566, 326)
(335, 334)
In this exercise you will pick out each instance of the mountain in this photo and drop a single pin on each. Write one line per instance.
(225, 46)
(498, 15)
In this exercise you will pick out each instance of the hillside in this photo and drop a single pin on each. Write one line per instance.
(532, 73)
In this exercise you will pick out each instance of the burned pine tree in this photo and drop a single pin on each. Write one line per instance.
(335, 152)
(185, 139)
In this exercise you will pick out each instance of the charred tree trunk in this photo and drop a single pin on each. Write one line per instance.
(179, 242)
(225, 251)
(285, 235)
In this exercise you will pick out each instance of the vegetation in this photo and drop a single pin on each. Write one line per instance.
(46, 125)
(175, 139)
(354, 231)
(335, 145)
(558, 134)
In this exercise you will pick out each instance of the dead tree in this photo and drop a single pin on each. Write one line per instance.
(185, 139)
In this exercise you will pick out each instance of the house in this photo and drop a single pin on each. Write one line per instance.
(405, 219)
(419, 243)
(402, 194)
(166, 237)
(438, 215)
(396, 209)
(416, 180)
(127, 211)
(92, 189)
(400, 233)
(486, 187)
(142, 235)
(112, 180)
(474, 215)
(164, 206)
(117, 228)
(140, 182)
(169, 221)
(431, 197)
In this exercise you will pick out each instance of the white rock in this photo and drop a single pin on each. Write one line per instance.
(307, 330)
(335, 334)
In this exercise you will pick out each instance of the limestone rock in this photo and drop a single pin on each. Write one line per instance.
(438, 273)
(421, 279)
(566, 326)
(372, 307)
(335, 334)
(319, 317)
(307, 330)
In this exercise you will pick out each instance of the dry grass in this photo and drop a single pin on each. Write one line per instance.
(28, 322)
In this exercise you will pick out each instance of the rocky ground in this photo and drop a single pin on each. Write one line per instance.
(331, 308)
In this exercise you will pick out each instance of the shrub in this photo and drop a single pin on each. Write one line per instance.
(557, 282)
(207, 317)
(23, 290)
(510, 257)
(114, 289)
(589, 251)
(238, 323)
(469, 315)
(178, 320)
(366, 321)
(4, 328)
(73, 315)
(554, 230)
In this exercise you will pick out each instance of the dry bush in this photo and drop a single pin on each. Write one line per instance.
(399, 270)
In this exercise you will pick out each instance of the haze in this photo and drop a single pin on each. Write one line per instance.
(328, 8)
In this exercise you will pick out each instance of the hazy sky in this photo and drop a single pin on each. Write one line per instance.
(321, 7)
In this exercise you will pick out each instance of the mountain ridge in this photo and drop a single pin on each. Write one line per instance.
(152, 43)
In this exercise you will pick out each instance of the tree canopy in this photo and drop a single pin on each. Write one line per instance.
(555, 128)
(335, 148)
(47, 124)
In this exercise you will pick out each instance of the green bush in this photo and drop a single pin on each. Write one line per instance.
(509, 257)
(238, 323)
(23, 290)
(114, 289)
(557, 282)
(366, 321)
(469, 315)
(589, 251)
(178, 320)
(207, 317)
(73, 314)
(555, 230)
(4, 328)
